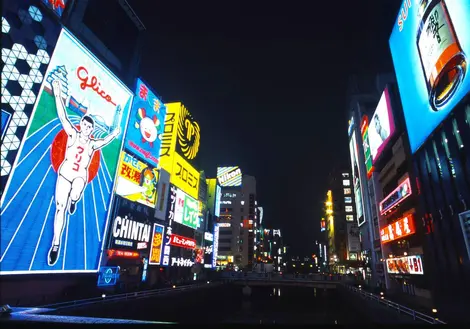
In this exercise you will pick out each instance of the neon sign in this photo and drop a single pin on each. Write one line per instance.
(122, 253)
(183, 242)
(402, 192)
(157, 244)
(397, 230)
(181, 262)
(405, 265)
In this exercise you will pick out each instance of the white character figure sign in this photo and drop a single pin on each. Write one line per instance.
(148, 126)
(72, 175)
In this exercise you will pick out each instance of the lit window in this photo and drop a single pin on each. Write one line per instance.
(347, 199)
(349, 218)
(347, 191)
(349, 209)
(346, 182)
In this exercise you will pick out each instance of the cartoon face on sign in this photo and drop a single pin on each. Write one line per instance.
(148, 127)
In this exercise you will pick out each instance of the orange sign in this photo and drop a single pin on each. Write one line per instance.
(156, 246)
(397, 230)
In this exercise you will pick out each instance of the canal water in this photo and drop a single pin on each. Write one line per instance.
(266, 305)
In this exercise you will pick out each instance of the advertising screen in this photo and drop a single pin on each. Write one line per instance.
(130, 233)
(57, 6)
(381, 126)
(356, 179)
(405, 265)
(136, 181)
(184, 176)
(398, 195)
(186, 210)
(215, 250)
(182, 241)
(354, 243)
(430, 45)
(157, 244)
(108, 276)
(181, 135)
(229, 176)
(218, 196)
(366, 145)
(398, 229)
(55, 207)
(146, 124)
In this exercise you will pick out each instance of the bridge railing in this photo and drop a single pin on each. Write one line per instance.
(126, 296)
(399, 308)
(284, 277)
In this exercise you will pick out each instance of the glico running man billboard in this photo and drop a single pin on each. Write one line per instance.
(146, 125)
(55, 208)
(430, 45)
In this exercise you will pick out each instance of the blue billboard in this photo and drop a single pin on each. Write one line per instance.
(430, 45)
(55, 207)
(108, 276)
(146, 124)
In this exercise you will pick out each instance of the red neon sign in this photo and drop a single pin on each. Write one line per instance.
(123, 253)
(399, 229)
(183, 242)
(93, 83)
(392, 200)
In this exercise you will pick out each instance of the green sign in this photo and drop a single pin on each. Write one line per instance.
(190, 212)
(367, 155)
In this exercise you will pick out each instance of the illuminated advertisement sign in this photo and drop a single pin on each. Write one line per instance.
(184, 176)
(229, 176)
(218, 196)
(356, 179)
(392, 200)
(181, 134)
(157, 244)
(168, 232)
(397, 230)
(146, 124)
(181, 262)
(130, 233)
(354, 243)
(381, 126)
(183, 242)
(405, 265)
(216, 246)
(214, 195)
(208, 236)
(366, 145)
(186, 210)
(108, 276)
(57, 6)
(323, 225)
(64, 174)
(136, 181)
(430, 44)
(144, 270)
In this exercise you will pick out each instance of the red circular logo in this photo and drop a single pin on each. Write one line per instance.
(59, 145)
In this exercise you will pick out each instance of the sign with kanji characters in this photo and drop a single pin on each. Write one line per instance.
(157, 244)
(186, 210)
(136, 181)
(397, 230)
(168, 232)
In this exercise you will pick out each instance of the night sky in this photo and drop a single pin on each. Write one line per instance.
(267, 83)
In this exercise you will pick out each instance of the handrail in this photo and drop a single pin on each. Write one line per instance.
(122, 296)
(396, 306)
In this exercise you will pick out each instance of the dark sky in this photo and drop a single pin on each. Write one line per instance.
(267, 82)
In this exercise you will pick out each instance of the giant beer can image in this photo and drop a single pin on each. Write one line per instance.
(443, 61)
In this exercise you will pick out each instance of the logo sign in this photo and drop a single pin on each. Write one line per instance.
(357, 179)
(405, 265)
(57, 6)
(397, 230)
(146, 125)
(382, 126)
(208, 236)
(157, 244)
(181, 135)
(181, 262)
(184, 176)
(366, 145)
(136, 181)
(277, 232)
(216, 246)
(402, 192)
(63, 176)
(229, 176)
(186, 210)
(130, 234)
(108, 276)
(183, 242)
(429, 45)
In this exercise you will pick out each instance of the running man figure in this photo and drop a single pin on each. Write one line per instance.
(72, 175)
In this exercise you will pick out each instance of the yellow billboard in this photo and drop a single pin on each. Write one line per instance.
(184, 176)
(181, 135)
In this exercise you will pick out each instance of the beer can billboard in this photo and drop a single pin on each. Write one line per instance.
(430, 45)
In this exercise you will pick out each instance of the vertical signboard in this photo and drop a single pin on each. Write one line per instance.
(157, 244)
(366, 145)
(430, 45)
(146, 124)
(356, 175)
(55, 208)
(168, 233)
(215, 251)
(354, 243)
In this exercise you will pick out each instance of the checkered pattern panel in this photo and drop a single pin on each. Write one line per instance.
(29, 35)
